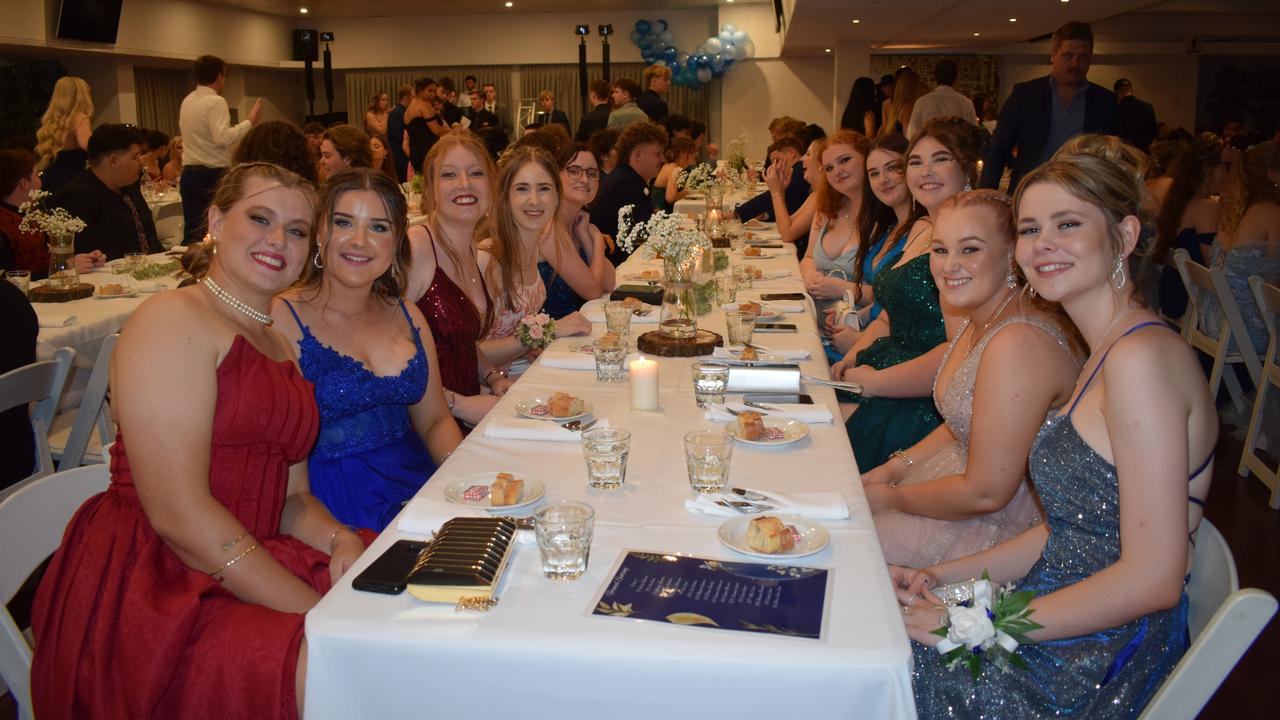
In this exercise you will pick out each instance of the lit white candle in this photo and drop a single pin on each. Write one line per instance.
(644, 384)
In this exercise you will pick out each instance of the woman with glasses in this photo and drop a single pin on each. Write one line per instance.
(572, 259)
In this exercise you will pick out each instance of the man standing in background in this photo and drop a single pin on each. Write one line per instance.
(207, 137)
(1137, 118)
(395, 132)
(944, 101)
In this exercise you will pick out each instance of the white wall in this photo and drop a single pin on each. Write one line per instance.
(755, 92)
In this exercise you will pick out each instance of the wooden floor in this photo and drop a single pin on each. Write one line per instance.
(1238, 507)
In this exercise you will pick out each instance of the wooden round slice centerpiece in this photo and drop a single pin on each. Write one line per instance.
(44, 293)
(704, 342)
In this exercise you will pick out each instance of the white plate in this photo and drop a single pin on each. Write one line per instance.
(129, 294)
(764, 254)
(758, 225)
(525, 409)
(812, 536)
(533, 490)
(793, 431)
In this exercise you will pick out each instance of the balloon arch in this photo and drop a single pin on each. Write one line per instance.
(711, 59)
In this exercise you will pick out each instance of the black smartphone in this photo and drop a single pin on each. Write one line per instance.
(389, 574)
(800, 399)
(775, 327)
(781, 296)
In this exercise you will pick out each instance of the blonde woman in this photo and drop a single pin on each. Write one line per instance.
(62, 142)
(172, 169)
(375, 118)
(907, 89)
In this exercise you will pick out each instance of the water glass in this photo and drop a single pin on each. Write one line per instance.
(726, 288)
(135, 260)
(707, 454)
(606, 451)
(744, 275)
(737, 241)
(21, 279)
(710, 381)
(564, 533)
(610, 354)
(617, 317)
(740, 326)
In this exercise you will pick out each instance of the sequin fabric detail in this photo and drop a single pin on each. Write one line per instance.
(455, 325)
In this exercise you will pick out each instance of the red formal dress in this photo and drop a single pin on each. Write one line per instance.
(124, 629)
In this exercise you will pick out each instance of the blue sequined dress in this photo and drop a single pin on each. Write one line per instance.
(1108, 674)
(368, 459)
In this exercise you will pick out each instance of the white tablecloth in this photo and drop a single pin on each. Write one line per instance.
(540, 653)
(698, 205)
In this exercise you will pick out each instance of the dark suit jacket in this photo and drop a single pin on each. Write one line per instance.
(1137, 122)
(597, 118)
(108, 223)
(395, 139)
(653, 105)
(620, 188)
(557, 116)
(452, 113)
(1024, 124)
(481, 119)
(794, 194)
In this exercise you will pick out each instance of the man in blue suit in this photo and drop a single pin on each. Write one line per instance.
(787, 151)
(1041, 114)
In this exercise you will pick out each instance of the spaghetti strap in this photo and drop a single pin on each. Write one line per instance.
(1098, 367)
(432, 237)
(1203, 465)
(413, 329)
(296, 319)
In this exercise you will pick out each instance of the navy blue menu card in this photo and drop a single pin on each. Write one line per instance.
(744, 596)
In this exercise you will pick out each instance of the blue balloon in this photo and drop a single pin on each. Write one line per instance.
(728, 62)
(663, 24)
(643, 27)
(717, 63)
(636, 37)
(717, 74)
(670, 54)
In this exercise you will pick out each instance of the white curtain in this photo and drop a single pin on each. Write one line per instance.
(160, 93)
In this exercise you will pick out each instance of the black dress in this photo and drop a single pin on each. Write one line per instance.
(17, 444)
(420, 141)
(66, 165)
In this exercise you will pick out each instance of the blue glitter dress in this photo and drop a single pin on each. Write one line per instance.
(1108, 674)
(368, 460)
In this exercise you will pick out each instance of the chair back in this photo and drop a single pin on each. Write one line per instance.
(1223, 623)
(1201, 284)
(94, 410)
(41, 383)
(32, 523)
(1268, 299)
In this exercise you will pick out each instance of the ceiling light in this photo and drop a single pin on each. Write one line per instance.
(509, 4)
(1013, 19)
(826, 50)
(977, 34)
(855, 22)
(302, 10)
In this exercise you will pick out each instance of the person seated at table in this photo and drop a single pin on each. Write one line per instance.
(155, 145)
(280, 143)
(314, 133)
(193, 571)
(604, 143)
(19, 249)
(528, 196)
(572, 257)
(547, 113)
(667, 189)
(794, 227)
(896, 358)
(107, 198)
(640, 149)
(384, 422)
(1114, 474)
(172, 169)
(887, 183)
(17, 438)
(1188, 218)
(962, 488)
(62, 142)
(784, 153)
(344, 146)
(380, 156)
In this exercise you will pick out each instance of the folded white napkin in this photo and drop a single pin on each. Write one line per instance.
(568, 360)
(821, 505)
(423, 516)
(523, 429)
(804, 413)
(593, 310)
(55, 319)
(785, 354)
(774, 305)
(773, 275)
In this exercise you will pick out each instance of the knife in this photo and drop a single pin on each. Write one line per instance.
(752, 495)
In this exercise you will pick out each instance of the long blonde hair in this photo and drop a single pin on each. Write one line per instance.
(71, 97)
(507, 272)
(907, 89)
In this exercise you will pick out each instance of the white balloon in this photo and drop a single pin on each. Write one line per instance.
(749, 49)
(725, 36)
(704, 74)
(713, 45)
(666, 39)
(729, 28)
(739, 37)
(730, 51)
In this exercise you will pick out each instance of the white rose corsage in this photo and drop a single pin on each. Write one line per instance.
(536, 331)
(990, 625)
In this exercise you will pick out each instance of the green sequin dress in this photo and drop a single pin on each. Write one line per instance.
(882, 425)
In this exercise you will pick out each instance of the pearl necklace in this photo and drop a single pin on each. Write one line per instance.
(235, 302)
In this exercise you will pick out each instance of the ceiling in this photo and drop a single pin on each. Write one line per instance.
(411, 8)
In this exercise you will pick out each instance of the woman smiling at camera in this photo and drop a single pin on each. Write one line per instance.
(573, 264)
(1114, 474)
(180, 591)
(962, 488)
(384, 423)
(528, 196)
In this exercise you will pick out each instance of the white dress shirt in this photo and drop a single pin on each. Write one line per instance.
(942, 102)
(207, 132)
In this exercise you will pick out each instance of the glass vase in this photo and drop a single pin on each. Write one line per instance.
(679, 317)
(62, 262)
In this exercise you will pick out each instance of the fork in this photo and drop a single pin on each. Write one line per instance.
(761, 406)
(574, 425)
(743, 507)
(735, 413)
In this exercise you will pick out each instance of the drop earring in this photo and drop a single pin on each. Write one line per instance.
(1119, 271)
(315, 260)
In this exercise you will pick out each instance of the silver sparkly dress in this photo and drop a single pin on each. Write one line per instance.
(918, 541)
(1107, 674)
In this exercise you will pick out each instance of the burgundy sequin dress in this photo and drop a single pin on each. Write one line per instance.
(456, 326)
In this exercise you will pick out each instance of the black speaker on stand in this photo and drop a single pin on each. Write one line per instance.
(310, 83)
(605, 32)
(306, 46)
(328, 79)
(582, 71)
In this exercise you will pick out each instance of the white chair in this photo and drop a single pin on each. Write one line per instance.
(1223, 622)
(72, 440)
(41, 383)
(1268, 298)
(1200, 282)
(32, 522)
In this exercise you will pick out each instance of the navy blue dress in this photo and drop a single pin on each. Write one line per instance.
(368, 460)
(561, 299)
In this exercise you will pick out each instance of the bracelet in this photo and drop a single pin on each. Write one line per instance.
(232, 543)
(906, 460)
(216, 573)
(492, 371)
(334, 535)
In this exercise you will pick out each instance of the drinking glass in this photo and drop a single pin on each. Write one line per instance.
(617, 317)
(726, 288)
(21, 279)
(606, 451)
(737, 240)
(740, 326)
(710, 380)
(564, 531)
(707, 454)
(744, 275)
(609, 356)
(135, 260)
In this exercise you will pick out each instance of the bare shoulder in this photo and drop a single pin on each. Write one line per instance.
(1154, 358)
(1023, 352)
(282, 316)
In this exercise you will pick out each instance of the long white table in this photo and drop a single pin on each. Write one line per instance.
(541, 654)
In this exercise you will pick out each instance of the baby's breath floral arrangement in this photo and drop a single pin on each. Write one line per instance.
(663, 234)
(736, 154)
(536, 331)
(56, 223)
(713, 180)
